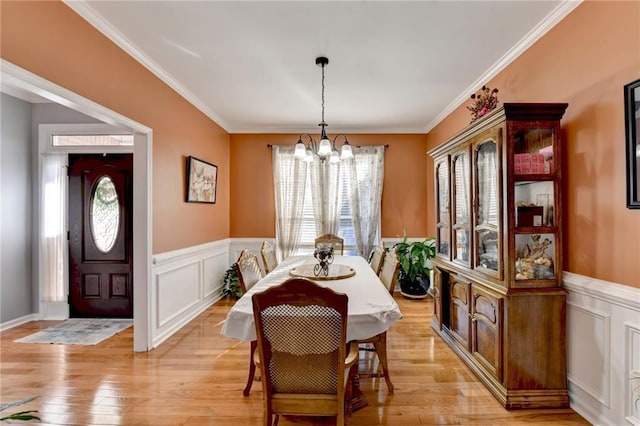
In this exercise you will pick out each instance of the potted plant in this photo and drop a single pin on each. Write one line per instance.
(231, 282)
(415, 266)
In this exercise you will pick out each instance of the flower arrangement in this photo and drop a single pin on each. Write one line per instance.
(484, 101)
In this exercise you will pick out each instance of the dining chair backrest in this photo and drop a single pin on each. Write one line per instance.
(390, 270)
(249, 271)
(269, 259)
(376, 257)
(336, 242)
(301, 330)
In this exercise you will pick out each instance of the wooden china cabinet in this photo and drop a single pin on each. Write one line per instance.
(498, 296)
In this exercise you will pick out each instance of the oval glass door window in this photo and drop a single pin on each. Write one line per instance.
(105, 214)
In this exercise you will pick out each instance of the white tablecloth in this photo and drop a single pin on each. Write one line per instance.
(372, 310)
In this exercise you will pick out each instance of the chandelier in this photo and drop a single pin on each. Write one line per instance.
(326, 148)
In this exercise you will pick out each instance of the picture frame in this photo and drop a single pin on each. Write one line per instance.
(202, 181)
(632, 130)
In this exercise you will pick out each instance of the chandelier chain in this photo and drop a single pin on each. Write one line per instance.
(326, 148)
(323, 123)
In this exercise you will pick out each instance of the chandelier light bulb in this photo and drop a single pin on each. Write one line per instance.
(324, 149)
(335, 157)
(346, 152)
(308, 157)
(300, 150)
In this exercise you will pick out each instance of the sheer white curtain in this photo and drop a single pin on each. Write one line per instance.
(289, 182)
(366, 172)
(487, 185)
(326, 195)
(52, 226)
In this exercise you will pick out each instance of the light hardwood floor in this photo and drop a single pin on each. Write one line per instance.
(196, 378)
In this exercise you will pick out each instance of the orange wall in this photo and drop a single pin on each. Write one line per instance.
(52, 41)
(585, 60)
(404, 203)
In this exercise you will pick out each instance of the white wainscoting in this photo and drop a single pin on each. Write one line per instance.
(603, 323)
(185, 283)
(603, 348)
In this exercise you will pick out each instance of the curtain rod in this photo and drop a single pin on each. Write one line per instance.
(357, 146)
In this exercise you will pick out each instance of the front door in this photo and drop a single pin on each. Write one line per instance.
(100, 235)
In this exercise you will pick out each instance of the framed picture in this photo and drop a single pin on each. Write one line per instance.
(632, 124)
(202, 179)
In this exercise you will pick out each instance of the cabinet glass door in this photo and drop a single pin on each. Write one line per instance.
(533, 151)
(488, 205)
(443, 210)
(535, 197)
(462, 194)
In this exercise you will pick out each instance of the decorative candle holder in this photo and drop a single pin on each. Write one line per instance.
(324, 254)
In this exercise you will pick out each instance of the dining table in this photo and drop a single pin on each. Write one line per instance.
(371, 309)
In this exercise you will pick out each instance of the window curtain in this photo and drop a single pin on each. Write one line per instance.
(289, 182)
(488, 208)
(52, 227)
(326, 194)
(461, 170)
(366, 171)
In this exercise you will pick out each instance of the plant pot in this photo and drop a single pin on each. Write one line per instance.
(418, 289)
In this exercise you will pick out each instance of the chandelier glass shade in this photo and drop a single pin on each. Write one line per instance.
(326, 148)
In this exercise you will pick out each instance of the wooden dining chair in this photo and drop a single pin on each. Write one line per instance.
(269, 259)
(303, 356)
(336, 242)
(390, 270)
(249, 273)
(388, 276)
(376, 257)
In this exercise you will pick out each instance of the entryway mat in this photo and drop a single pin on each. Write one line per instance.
(79, 331)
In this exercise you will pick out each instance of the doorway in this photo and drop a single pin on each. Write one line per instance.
(100, 235)
(142, 213)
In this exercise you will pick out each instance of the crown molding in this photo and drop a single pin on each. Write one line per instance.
(334, 130)
(556, 15)
(85, 11)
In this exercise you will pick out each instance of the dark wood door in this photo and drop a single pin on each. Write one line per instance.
(100, 235)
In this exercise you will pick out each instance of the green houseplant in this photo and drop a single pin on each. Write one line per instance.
(415, 266)
(231, 282)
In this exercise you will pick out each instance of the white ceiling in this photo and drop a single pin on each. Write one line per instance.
(393, 66)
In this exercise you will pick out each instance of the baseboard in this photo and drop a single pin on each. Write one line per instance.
(18, 321)
(183, 320)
